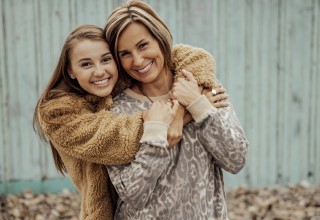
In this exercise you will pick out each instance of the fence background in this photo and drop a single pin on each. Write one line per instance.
(268, 58)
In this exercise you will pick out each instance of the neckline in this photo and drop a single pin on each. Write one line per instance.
(140, 97)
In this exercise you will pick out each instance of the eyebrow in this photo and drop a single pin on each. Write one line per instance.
(87, 59)
(139, 42)
(107, 53)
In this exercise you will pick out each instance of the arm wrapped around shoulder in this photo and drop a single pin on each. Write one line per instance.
(195, 60)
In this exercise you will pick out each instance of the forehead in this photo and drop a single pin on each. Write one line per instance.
(132, 34)
(87, 48)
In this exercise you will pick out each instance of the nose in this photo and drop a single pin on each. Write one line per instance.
(98, 70)
(137, 59)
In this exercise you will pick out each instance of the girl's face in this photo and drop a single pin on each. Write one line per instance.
(140, 54)
(93, 66)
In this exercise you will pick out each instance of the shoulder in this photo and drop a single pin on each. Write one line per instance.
(126, 102)
(186, 48)
(71, 104)
(197, 61)
(61, 104)
(120, 102)
(123, 97)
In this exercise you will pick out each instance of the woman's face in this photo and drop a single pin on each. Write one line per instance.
(140, 54)
(93, 66)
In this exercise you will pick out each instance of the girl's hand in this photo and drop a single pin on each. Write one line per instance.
(162, 111)
(176, 126)
(218, 97)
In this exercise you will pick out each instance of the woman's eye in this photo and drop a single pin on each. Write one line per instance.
(142, 45)
(124, 54)
(86, 64)
(106, 59)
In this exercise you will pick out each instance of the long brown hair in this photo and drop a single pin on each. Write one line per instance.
(61, 83)
(137, 11)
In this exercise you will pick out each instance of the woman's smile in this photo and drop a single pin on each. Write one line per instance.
(145, 69)
(101, 83)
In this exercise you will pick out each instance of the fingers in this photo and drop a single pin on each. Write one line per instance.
(220, 104)
(188, 75)
(217, 85)
(219, 89)
(217, 98)
(185, 90)
(163, 111)
(174, 105)
(172, 141)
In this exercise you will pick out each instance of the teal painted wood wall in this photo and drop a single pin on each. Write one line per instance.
(268, 58)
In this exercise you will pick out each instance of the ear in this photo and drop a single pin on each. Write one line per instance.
(70, 74)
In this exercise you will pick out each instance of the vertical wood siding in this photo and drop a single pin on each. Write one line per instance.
(267, 54)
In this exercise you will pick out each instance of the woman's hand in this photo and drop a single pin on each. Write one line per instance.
(217, 96)
(185, 90)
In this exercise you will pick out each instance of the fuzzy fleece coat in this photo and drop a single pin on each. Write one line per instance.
(88, 136)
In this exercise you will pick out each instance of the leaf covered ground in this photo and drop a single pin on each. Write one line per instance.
(278, 203)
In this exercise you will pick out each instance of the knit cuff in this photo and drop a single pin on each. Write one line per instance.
(155, 132)
(200, 108)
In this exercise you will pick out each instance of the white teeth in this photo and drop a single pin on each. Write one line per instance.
(145, 69)
(100, 82)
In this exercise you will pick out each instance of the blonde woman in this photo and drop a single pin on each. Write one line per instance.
(185, 182)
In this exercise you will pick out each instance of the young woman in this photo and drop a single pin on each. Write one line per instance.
(187, 181)
(72, 115)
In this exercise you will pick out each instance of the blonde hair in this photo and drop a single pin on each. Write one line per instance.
(61, 84)
(137, 11)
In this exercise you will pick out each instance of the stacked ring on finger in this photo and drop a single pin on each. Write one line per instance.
(214, 92)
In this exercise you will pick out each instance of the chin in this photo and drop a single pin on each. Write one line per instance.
(102, 94)
(148, 79)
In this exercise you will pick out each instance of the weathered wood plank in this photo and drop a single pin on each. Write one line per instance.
(3, 101)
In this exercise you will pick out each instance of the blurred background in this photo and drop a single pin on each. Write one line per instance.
(267, 56)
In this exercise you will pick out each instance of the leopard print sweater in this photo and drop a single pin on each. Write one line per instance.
(185, 182)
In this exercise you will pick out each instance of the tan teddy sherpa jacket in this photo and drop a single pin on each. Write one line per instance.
(87, 135)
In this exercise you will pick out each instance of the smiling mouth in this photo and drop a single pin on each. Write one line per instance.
(146, 68)
(101, 82)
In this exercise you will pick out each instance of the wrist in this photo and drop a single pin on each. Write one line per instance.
(154, 131)
(200, 108)
(193, 98)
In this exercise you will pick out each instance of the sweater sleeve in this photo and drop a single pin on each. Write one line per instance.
(197, 61)
(94, 136)
(220, 132)
(136, 181)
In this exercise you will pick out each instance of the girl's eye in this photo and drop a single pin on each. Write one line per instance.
(85, 64)
(106, 59)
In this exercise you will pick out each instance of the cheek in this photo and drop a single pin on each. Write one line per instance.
(82, 81)
(116, 73)
(125, 63)
(82, 77)
(113, 69)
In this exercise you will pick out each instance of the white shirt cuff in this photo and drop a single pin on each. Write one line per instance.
(200, 108)
(154, 131)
